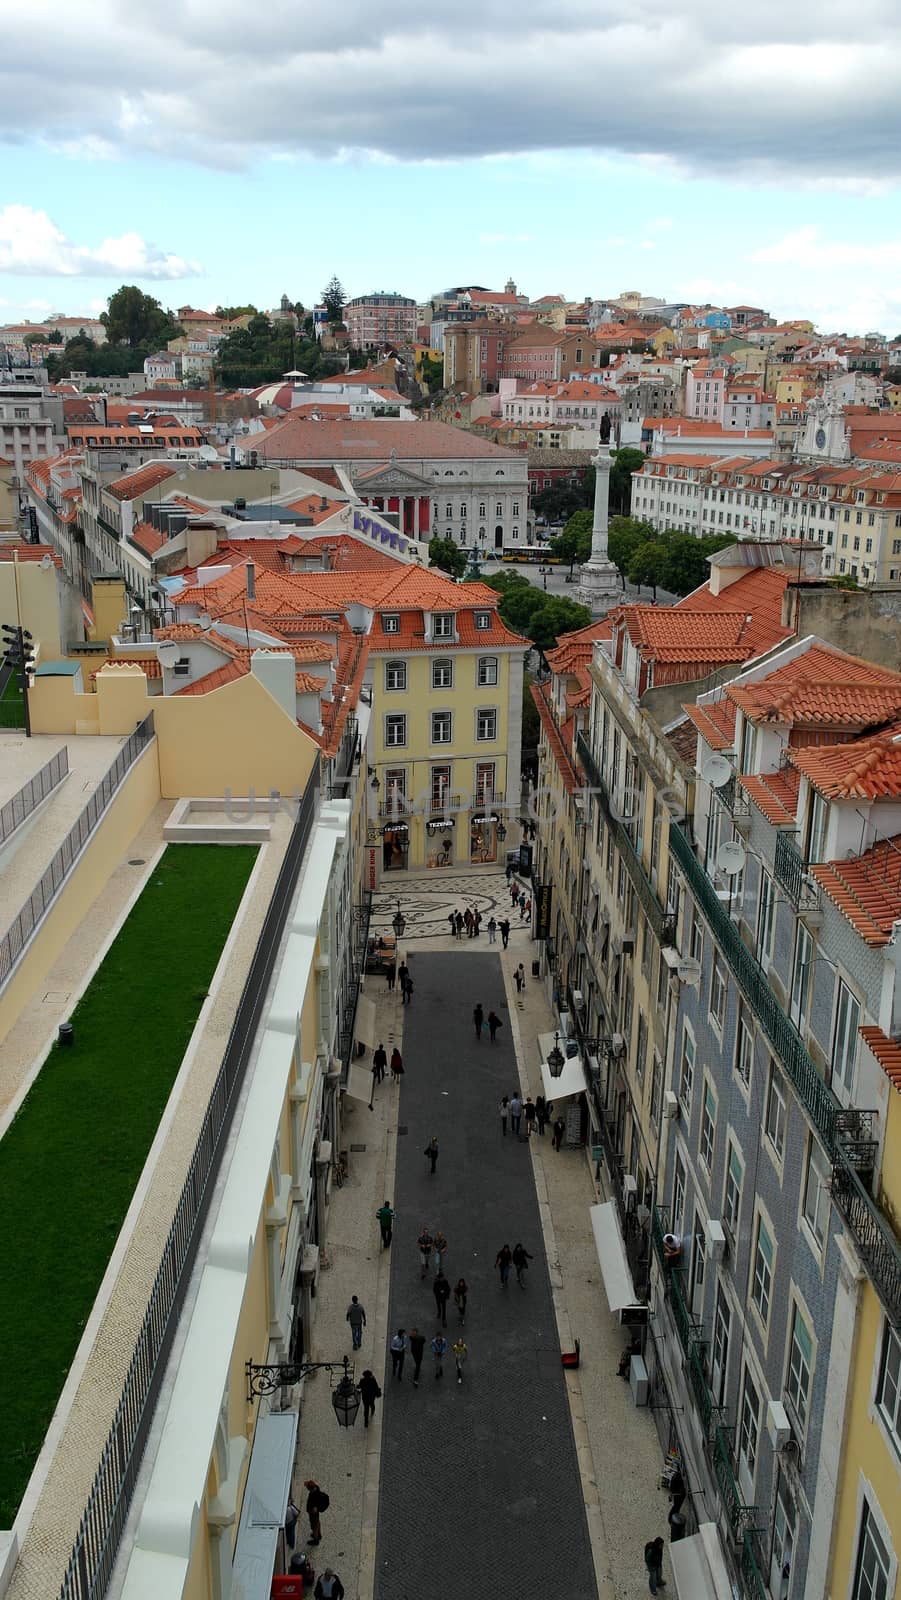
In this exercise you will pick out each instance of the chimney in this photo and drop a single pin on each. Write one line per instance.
(251, 581)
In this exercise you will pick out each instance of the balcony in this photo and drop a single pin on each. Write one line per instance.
(791, 870)
(737, 1513)
(662, 925)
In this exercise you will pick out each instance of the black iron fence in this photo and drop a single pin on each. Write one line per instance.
(42, 895)
(94, 1553)
(29, 797)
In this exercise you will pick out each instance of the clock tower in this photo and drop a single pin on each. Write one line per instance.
(824, 436)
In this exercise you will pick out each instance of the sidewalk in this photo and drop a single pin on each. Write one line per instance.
(624, 1508)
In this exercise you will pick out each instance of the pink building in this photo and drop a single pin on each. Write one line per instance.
(705, 391)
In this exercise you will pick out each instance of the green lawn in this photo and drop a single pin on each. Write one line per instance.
(70, 1162)
(12, 704)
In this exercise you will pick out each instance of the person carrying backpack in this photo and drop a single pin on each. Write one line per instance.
(317, 1502)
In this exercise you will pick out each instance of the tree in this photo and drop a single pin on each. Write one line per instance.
(334, 299)
(625, 462)
(432, 370)
(574, 543)
(531, 725)
(54, 337)
(264, 351)
(649, 565)
(559, 501)
(229, 313)
(686, 566)
(541, 617)
(449, 557)
(625, 537)
(137, 319)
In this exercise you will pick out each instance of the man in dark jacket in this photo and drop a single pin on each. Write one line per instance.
(369, 1394)
(317, 1502)
(329, 1586)
(441, 1291)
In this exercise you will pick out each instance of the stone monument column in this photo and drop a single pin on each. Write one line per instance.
(599, 585)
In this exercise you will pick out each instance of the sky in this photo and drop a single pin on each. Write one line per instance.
(699, 152)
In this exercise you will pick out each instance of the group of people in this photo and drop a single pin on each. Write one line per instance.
(401, 975)
(489, 1024)
(432, 1249)
(535, 1113)
(380, 1064)
(469, 922)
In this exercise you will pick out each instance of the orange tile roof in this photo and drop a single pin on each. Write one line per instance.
(758, 594)
(715, 722)
(775, 794)
(662, 633)
(215, 680)
(558, 746)
(147, 538)
(134, 484)
(886, 1051)
(372, 441)
(24, 550)
(867, 769)
(867, 890)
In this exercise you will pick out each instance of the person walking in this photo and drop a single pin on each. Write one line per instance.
(452, 919)
(515, 1113)
(317, 1502)
(441, 1290)
(492, 930)
(476, 922)
(522, 904)
(417, 1350)
(504, 1109)
(459, 924)
(460, 1354)
(408, 989)
(519, 978)
(369, 1394)
(502, 1261)
(398, 1349)
(514, 893)
(542, 1114)
(391, 976)
(653, 1560)
(386, 1223)
(402, 973)
(424, 1246)
(505, 932)
(329, 1585)
(478, 1017)
(397, 1065)
(521, 1259)
(525, 911)
(439, 1351)
(494, 1022)
(439, 1245)
(461, 1291)
(379, 1062)
(559, 1131)
(431, 1150)
(356, 1316)
(467, 919)
(529, 1114)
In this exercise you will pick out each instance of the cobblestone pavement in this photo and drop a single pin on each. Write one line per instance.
(480, 1491)
(426, 901)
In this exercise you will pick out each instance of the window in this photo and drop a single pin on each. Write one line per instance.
(656, 1088)
(395, 731)
(395, 675)
(442, 674)
(722, 1322)
(783, 1539)
(516, 508)
(484, 783)
(440, 784)
(687, 1069)
(718, 991)
(873, 1566)
(766, 919)
(744, 1047)
(449, 510)
(391, 622)
(844, 1043)
(888, 1392)
(483, 620)
(443, 625)
(816, 827)
(482, 511)
(486, 724)
(762, 1284)
(499, 509)
(775, 1111)
(708, 1127)
(800, 985)
(735, 1173)
(442, 727)
(748, 1435)
(641, 1048)
(800, 1365)
(486, 674)
(696, 937)
(678, 1193)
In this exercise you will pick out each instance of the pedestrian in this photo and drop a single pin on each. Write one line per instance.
(461, 1291)
(653, 1560)
(542, 1114)
(292, 1512)
(559, 1131)
(467, 918)
(417, 1350)
(379, 1062)
(522, 904)
(452, 919)
(356, 1316)
(329, 1585)
(529, 1114)
(505, 932)
(402, 973)
(431, 1150)
(386, 1223)
(459, 924)
(521, 1259)
(527, 909)
(478, 1017)
(439, 1351)
(460, 1354)
(492, 930)
(476, 922)
(439, 1244)
(677, 1492)
(317, 1502)
(369, 1394)
(424, 1246)
(514, 892)
(391, 975)
(504, 1109)
(515, 1113)
(397, 1065)
(502, 1261)
(441, 1290)
(398, 1351)
(508, 873)
(408, 989)
(494, 1022)
(519, 978)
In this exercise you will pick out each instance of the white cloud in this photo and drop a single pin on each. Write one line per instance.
(805, 247)
(32, 245)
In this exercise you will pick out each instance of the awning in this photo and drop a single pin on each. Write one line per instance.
(265, 1501)
(364, 1022)
(699, 1566)
(571, 1080)
(359, 1082)
(608, 1241)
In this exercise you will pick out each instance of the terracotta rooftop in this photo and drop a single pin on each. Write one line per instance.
(683, 737)
(671, 634)
(371, 441)
(560, 748)
(142, 480)
(775, 794)
(887, 1052)
(714, 721)
(867, 889)
(867, 769)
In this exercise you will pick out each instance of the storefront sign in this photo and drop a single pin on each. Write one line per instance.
(372, 869)
(380, 532)
(543, 897)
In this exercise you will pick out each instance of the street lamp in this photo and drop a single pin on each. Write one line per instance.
(398, 922)
(501, 833)
(555, 1058)
(345, 1395)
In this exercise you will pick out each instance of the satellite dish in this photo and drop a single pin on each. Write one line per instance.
(689, 971)
(46, 563)
(731, 857)
(717, 771)
(205, 621)
(167, 653)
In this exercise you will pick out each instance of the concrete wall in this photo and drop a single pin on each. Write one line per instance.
(865, 622)
(44, 601)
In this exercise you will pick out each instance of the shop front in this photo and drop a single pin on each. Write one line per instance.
(440, 833)
(483, 837)
(395, 846)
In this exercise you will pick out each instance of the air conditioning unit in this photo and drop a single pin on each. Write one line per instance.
(578, 1000)
(618, 1044)
(630, 1186)
(777, 1424)
(566, 1024)
(670, 1105)
(716, 1240)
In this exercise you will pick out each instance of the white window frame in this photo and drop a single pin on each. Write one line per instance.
(483, 621)
(766, 919)
(443, 625)
(762, 1270)
(845, 1041)
(799, 994)
(707, 1137)
(775, 1119)
(816, 1194)
(748, 1439)
(484, 666)
(688, 1057)
(871, 1532)
(442, 673)
(486, 732)
(744, 1048)
(391, 622)
(438, 719)
(799, 1365)
(396, 669)
(733, 1184)
(393, 721)
(888, 1400)
(718, 991)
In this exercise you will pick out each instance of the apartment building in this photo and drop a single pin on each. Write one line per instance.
(375, 320)
(31, 425)
(705, 391)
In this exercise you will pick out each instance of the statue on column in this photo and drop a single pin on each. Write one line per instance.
(599, 580)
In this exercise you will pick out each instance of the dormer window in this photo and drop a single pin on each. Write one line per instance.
(815, 838)
(483, 620)
(443, 625)
(391, 622)
(860, 497)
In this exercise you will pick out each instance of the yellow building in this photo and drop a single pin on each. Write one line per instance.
(892, 396)
(867, 1528)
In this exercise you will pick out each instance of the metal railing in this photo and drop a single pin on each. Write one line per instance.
(43, 894)
(737, 1513)
(662, 925)
(749, 1565)
(351, 991)
(29, 797)
(100, 1530)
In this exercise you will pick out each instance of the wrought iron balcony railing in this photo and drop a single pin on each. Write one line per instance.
(663, 926)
